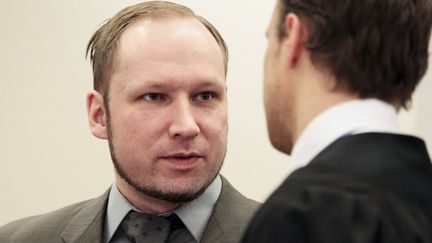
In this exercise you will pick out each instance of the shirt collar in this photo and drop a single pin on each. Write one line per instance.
(351, 117)
(194, 214)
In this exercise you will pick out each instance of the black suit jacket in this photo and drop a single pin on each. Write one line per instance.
(364, 188)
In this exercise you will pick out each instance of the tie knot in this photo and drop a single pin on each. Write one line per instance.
(175, 222)
(141, 227)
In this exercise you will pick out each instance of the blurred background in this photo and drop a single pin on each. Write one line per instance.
(49, 158)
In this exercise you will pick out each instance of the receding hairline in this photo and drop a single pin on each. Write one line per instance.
(142, 33)
(103, 45)
(140, 23)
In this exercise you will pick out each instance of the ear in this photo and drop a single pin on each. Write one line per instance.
(96, 113)
(294, 39)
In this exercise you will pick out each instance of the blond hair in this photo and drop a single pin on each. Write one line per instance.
(102, 45)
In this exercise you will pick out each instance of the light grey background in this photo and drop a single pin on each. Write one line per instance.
(49, 158)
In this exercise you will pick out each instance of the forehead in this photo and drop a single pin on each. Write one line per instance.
(173, 47)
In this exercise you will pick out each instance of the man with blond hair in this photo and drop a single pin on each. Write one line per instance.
(160, 101)
(336, 73)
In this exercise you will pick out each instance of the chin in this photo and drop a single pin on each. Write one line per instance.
(279, 134)
(176, 191)
(176, 196)
(282, 146)
(168, 190)
(281, 142)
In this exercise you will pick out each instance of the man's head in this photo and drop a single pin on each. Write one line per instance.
(160, 100)
(370, 48)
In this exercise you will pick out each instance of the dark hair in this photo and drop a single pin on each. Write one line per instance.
(102, 45)
(374, 48)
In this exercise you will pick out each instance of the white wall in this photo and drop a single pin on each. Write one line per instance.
(49, 158)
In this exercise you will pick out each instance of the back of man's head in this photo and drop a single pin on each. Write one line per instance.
(373, 48)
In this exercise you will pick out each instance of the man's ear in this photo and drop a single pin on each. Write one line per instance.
(97, 117)
(294, 39)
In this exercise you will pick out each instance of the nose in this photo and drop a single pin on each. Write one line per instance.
(183, 125)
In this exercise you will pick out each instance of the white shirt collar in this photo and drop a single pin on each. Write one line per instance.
(194, 215)
(351, 117)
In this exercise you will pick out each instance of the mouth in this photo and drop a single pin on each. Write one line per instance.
(183, 161)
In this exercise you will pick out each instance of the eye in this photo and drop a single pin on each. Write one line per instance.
(153, 97)
(206, 96)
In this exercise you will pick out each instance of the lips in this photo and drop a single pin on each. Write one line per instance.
(183, 160)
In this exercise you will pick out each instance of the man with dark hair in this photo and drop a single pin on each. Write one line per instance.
(336, 73)
(160, 100)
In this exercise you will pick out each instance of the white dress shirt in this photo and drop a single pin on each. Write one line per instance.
(351, 117)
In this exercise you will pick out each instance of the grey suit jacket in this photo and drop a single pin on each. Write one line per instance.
(83, 222)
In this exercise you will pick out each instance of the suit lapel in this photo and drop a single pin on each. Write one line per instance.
(87, 224)
(231, 215)
(213, 232)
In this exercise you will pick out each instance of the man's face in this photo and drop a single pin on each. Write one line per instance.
(278, 100)
(168, 108)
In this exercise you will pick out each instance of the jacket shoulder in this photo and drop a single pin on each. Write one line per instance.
(46, 227)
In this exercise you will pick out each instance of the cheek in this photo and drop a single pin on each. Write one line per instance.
(272, 104)
(267, 66)
(134, 130)
(216, 138)
(270, 74)
(269, 93)
(214, 126)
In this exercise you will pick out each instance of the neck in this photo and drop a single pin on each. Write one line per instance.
(143, 202)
